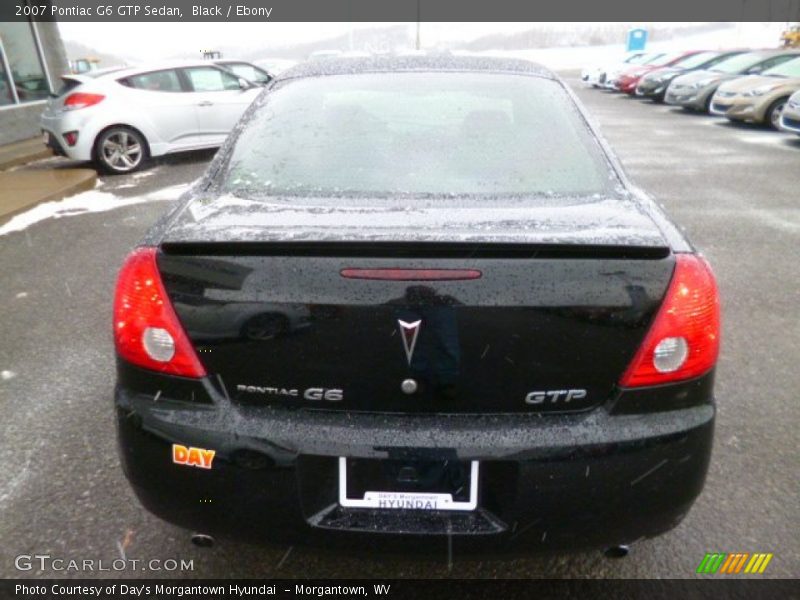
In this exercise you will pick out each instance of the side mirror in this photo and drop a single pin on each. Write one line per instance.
(244, 84)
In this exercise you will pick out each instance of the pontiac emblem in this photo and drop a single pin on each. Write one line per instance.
(409, 333)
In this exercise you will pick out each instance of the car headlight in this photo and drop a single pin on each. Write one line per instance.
(761, 90)
(704, 82)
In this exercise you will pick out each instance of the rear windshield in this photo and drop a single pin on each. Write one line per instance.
(788, 69)
(740, 63)
(431, 134)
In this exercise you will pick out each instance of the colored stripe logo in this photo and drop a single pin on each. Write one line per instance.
(732, 564)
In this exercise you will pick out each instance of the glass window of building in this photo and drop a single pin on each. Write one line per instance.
(22, 57)
(6, 95)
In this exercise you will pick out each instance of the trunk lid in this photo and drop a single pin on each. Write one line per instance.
(595, 221)
(564, 298)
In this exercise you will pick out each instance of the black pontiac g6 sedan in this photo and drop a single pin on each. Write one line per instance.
(415, 300)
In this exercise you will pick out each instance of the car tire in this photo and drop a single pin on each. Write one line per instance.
(119, 150)
(773, 114)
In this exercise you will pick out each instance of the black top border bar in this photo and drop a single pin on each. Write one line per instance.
(399, 10)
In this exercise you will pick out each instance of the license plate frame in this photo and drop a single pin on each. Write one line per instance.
(397, 500)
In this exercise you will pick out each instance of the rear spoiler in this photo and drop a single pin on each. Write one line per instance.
(414, 250)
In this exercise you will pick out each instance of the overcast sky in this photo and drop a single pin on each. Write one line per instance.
(150, 41)
(146, 41)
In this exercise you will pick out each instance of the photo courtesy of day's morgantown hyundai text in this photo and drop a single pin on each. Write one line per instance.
(414, 300)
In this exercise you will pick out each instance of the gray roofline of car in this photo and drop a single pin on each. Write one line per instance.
(414, 64)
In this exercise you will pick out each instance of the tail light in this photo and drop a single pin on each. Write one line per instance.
(411, 274)
(683, 341)
(147, 332)
(81, 100)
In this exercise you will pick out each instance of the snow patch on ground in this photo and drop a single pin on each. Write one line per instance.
(92, 201)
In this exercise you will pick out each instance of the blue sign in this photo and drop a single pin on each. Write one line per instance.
(637, 39)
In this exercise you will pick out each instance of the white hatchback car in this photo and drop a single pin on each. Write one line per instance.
(118, 118)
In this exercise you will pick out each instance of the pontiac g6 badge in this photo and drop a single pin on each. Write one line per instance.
(409, 333)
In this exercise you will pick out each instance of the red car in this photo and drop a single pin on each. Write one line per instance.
(629, 78)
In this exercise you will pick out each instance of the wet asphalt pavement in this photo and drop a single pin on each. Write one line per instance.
(735, 188)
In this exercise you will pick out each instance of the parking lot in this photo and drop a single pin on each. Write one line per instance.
(734, 188)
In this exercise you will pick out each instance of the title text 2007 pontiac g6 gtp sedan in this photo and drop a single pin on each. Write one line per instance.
(413, 299)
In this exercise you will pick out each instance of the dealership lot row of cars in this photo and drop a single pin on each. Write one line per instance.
(759, 86)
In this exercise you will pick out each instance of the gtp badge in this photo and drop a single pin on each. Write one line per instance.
(409, 333)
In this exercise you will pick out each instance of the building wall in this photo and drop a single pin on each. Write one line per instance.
(21, 121)
(54, 53)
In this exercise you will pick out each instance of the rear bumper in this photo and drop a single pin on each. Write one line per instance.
(56, 125)
(593, 479)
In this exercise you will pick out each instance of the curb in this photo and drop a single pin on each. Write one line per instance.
(21, 190)
(20, 153)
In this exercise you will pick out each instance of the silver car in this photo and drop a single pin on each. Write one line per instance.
(694, 90)
(790, 118)
(121, 117)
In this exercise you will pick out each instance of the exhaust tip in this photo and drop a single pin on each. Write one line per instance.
(620, 551)
(202, 540)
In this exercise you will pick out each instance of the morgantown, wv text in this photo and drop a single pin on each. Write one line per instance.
(219, 591)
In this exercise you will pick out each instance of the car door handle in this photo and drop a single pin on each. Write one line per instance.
(205, 103)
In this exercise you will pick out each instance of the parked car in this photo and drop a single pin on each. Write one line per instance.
(595, 76)
(512, 332)
(613, 73)
(758, 98)
(628, 79)
(693, 91)
(119, 118)
(790, 118)
(653, 85)
(249, 71)
(275, 66)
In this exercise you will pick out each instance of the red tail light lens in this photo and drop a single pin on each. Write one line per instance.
(71, 137)
(147, 332)
(683, 341)
(81, 100)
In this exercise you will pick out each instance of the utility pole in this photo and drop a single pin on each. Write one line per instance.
(418, 44)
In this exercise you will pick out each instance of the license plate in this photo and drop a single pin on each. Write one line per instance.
(355, 492)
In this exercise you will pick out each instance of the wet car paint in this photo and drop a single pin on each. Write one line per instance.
(648, 447)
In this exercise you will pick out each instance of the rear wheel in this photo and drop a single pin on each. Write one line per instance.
(120, 150)
(774, 113)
